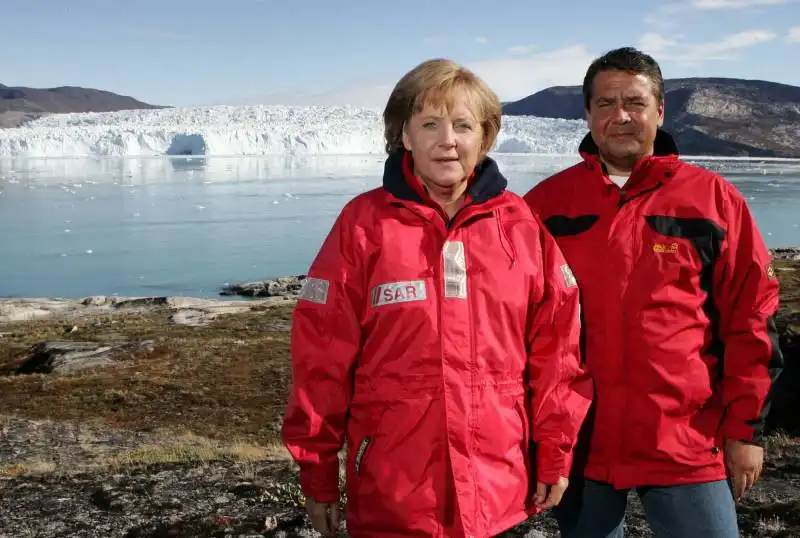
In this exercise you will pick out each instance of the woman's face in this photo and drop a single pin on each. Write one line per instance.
(446, 142)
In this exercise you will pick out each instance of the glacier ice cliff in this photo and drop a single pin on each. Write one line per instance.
(250, 130)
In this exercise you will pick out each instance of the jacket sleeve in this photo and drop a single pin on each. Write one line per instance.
(562, 390)
(745, 290)
(325, 343)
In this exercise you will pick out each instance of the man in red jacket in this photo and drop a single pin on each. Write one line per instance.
(678, 295)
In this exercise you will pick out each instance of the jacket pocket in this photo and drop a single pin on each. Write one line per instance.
(392, 454)
(504, 455)
(693, 447)
(363, 432)
(504, 428)
(362, 451)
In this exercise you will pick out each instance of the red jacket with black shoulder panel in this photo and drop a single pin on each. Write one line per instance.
(678, 296)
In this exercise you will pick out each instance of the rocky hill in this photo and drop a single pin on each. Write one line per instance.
(708, 116)
(20, 104)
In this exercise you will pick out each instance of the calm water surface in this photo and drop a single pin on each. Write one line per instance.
(78, 227)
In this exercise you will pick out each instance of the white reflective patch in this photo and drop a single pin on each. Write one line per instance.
(315, 290)
(569, 278)
(398, 292)
(455, 270)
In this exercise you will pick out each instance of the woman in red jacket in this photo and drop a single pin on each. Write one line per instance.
(437, 336)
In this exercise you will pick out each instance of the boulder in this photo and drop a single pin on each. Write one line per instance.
(786, 253)
(193, 318)
(287, 287)
(65, 357)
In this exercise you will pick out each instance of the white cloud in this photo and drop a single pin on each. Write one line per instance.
(732, 4)
(481, 40)
(737, 41)
(521, 72)
(794, 35)
(664, 15)
(652, 43)
(726, 48)
(519, 50)
(511, 77)
(517, 77)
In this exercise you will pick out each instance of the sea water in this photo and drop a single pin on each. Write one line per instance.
(188, 226)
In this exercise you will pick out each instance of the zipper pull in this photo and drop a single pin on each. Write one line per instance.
(362, 449)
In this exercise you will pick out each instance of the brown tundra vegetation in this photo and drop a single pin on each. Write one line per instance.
(159, 417)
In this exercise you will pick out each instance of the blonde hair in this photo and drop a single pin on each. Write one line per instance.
(435, 82)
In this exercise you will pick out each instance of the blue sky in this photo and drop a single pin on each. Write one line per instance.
(181, 52)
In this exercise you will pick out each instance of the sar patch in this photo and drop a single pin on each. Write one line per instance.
(315, 290)
(398, 292)
(770, 271)
(569, 278)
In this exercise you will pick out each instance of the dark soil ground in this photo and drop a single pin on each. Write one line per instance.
(179, 436)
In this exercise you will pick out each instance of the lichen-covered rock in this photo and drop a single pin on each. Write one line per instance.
(288, 287)
(66, 357)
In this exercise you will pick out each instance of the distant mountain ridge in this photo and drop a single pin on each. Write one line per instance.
(19, 104)
(708, 116)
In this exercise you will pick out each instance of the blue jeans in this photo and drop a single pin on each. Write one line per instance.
(597, 510)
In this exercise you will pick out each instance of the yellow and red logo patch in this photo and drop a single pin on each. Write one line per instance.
(665, 248)
(770, 271)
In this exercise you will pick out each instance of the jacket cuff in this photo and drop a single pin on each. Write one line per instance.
(552, 463)
(737, 430)
(321, 482)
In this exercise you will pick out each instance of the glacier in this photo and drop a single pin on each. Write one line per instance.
(253, 130)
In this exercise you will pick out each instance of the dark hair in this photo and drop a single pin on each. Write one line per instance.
(625, 59)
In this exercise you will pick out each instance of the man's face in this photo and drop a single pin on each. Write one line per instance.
(624, 115)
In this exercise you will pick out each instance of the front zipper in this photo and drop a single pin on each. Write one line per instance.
(362, 449)
(624, 200)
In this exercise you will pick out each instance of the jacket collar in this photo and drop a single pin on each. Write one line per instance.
(487, 181)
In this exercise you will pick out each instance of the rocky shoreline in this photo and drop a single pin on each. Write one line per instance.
(159, 416)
